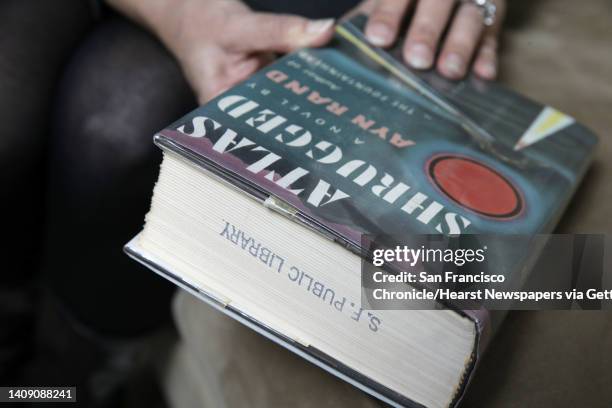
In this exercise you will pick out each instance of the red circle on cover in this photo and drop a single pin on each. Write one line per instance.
(475, 186)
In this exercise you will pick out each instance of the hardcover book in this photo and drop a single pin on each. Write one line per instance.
(265, 193)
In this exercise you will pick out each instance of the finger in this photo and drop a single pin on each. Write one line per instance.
(239, 71)
(426, 28)
(461, 42)
(384, 21)
(224, 76)
(485, 65)
(242, 69)
(253, 32)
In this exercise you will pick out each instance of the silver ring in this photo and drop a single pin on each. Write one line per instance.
(487, 8)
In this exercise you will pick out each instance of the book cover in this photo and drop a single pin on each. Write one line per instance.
(347, 141)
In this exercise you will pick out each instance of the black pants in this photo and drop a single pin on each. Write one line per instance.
(80, 98)
(81, 94)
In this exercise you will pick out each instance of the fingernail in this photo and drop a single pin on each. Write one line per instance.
(454, 65)
(379, 34)
(420, 56)
(489, 70)
(319, 26)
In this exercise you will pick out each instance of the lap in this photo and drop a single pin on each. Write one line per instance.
(221, 363)
(120, 87)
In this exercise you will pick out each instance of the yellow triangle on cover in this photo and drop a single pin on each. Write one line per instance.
(549, 121)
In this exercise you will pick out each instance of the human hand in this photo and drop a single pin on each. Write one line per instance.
(468, 44)
(219, 43)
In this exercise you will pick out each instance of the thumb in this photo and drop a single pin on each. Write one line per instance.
(254, 32)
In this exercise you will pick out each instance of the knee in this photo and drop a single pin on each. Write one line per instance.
(119, 89)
